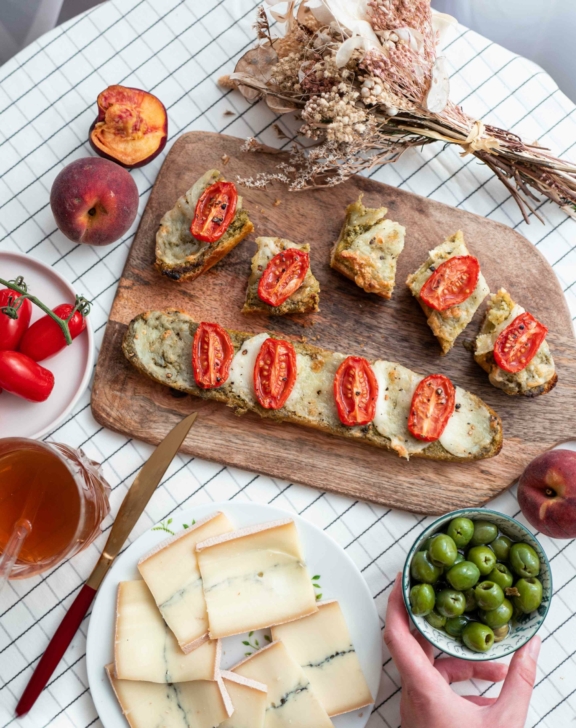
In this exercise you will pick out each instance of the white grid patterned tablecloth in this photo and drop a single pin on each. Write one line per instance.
(178, 49)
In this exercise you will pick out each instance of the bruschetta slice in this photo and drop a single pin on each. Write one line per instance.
(368, 248)
(512, 348)
(281, 280)
(449, 287)
(213, 209)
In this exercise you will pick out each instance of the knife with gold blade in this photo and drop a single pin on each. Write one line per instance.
(130, 511)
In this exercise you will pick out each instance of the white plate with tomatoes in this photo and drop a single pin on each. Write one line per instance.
(69, 369)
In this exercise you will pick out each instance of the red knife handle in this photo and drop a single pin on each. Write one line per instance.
(56, 649)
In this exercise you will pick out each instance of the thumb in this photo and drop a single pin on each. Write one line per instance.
(516, 692)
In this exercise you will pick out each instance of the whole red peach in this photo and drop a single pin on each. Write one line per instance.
(94, 201)
(547, 493)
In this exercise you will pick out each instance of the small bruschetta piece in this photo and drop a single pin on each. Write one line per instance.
(179, 255)
(512, 348)
(368, 248)
(275, 272)
(449, 287)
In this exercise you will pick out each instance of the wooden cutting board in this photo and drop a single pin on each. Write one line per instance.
(349, 321)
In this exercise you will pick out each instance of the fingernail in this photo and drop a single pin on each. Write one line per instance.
(533, 647)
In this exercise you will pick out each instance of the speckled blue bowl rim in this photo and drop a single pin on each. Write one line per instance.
(436, 525)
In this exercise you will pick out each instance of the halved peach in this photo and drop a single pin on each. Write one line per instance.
(131, 128)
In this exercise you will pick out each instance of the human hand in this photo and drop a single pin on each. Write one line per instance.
(428, 701)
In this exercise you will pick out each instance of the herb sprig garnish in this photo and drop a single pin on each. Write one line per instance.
(316, 584)
(256, 645)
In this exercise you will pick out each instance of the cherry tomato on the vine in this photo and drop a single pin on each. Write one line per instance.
(12, 330)
(24, 377)
(45, 338)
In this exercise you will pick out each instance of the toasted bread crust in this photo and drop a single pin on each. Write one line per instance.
(487, 363)
(178, 375)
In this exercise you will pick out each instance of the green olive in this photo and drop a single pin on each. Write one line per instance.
(450, 603)
(501, 633)
(426, 544)
(502, 575)
(524, 560)
(423, 570)
(501, 547)
(484, 533)
(470, 597)
(489, 595)
(455, 625)
(497, 618)
(442, 550)
(461, 530)
(464, 575)
(478, 637)
(436, 620)
(530, 597)
(483, 557)
(422, 599)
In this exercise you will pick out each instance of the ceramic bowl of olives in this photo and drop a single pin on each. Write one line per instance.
(477, 584)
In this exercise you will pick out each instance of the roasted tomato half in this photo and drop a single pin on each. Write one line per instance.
(451, 283)
(517, 345)
(212, 354)
(214, 212)
(355, 391)
(131, 127)
(283, 276)
(432, 406)
(274, 373)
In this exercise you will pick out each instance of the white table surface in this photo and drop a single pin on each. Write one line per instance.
(178, 49)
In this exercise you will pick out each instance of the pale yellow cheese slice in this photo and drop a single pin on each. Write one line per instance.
(322, 646)
(249, 700)
(291, 702)
(200, 704)
(172, 575)
(255, 577)
(145, 649)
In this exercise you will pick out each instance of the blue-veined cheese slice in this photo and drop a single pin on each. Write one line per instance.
(144, 647)
(249, 699)
(322, 646)
(171, 573)
(241, 378)
(254, 578)
(291, 702)
(469, 428)
(199, 704)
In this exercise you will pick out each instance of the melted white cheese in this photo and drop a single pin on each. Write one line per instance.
(241, 379)
(486, 342)
(468, 430)
(381, 244)
(313, 393)
(396, 386)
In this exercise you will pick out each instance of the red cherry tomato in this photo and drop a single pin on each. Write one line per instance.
(23, 377)
(274, 373)
(355, 391)
(214, 212)
(451, 283)
(45, 338)
(432, 406)
(517, 345)
(12, 330)
(283, 276)
(212, 353)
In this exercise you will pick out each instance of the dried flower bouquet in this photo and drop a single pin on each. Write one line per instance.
(365, 78)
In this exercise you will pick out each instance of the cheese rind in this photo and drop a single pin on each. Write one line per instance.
(198, 704)
(249, 699)
(322, 646)
(171, 573)
(291, 701)
(254, 578)
(145, 649)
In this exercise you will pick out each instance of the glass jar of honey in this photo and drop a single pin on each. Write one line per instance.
(53, 500)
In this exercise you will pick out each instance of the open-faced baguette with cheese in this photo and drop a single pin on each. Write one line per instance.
(538, 377)
(449, 323)
(179, 255)
(303, 300)
(158, 344)
(368, 248)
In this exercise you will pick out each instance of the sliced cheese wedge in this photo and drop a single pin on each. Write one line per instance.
(171, 573)
(249, 699)
(200, 704)
(255, 577)
(291, 701)
(145, 649)
(322, 646)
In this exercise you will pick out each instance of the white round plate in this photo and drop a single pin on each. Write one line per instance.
(340, 579)
(72, 367)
